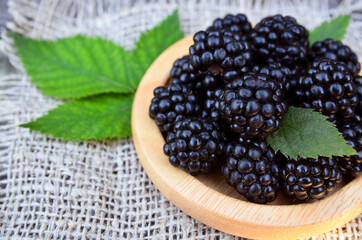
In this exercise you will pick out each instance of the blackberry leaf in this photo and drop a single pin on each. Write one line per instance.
(98, 117)
(308, 134)
(79, 67)
(334, 29)
(152, 43)
(75, 67)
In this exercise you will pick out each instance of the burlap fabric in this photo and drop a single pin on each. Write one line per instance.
(55, 189)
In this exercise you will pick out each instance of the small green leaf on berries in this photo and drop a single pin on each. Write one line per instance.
(308, 134)
(334, 29)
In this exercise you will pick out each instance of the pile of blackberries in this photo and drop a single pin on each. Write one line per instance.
(233, 90)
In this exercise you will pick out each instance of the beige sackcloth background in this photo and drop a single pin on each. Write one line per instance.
(54, 189)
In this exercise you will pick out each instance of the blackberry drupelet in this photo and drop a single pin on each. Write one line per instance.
(352, 132)
(253, 105)
(280, 39)
(295, 73)
(251, 168)
(278, 72)
(336, 50)
(328, 87)
(218, 56)
(210, 110)
(288, 76)
(180, 74)
(171, 104)
(195, 145)
(308, 179)
(238, 24)
(358, 82)
(297, 70)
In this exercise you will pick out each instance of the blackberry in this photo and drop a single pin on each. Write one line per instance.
(336, 50)
(171, 104)
(180, 74)
(328, 87)
(251, 168)
(280, 39)
(308, 179)
(238, 24)
(195, 145)
(217, 56)
(352, 165)
(253, 105)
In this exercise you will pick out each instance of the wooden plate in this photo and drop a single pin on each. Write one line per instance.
(209, 199)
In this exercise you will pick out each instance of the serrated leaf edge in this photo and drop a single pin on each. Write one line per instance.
(323, 117)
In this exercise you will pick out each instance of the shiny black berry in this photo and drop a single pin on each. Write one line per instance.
(352, 132)
(308, 179)
(251, 168)
(238, 24)
(280, 39)
(171, 104)
(195, 145)
(181, 75)
(328, 87)
(218, 56)
(336, 50)
(252, 105)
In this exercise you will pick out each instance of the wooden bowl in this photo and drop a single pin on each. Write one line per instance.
(209, 199)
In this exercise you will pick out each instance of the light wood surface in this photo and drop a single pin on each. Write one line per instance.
(209, 199)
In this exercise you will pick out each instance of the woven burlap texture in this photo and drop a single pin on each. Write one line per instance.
(54, 189)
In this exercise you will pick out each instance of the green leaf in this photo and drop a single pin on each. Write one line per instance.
(152, 43)
(80, 66)
(307, 133)
(334, 29)
(98, 117)
(75, 67)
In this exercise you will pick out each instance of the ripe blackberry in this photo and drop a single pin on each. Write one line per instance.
(253, 105)
(171, 104)
(217, 56)
(336, 50)
(181, 75)
(352, 165)
(279, 39)
(252, 170)
(308, 179)
(328, 87)
(195, 145)
(238, 24)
